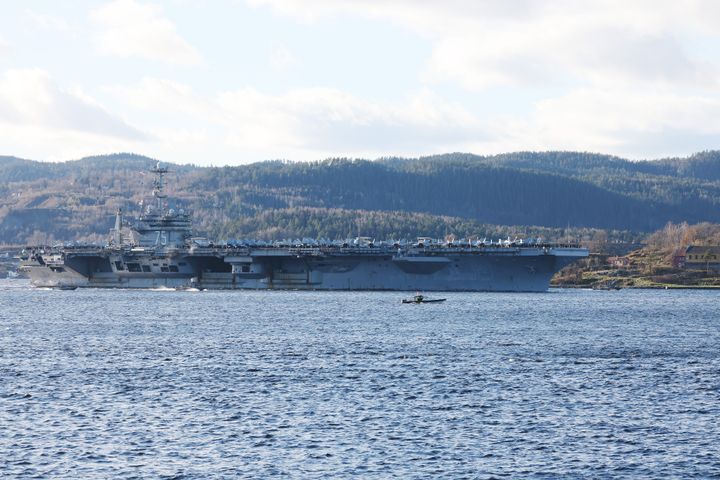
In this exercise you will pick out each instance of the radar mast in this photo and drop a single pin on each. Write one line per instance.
(158, 185)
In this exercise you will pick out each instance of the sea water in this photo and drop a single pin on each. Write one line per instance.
(214, 384)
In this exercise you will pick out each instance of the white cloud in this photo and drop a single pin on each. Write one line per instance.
(612, 76)
(485, 43)
(317, 121)
(633, 123)
(306, 123)
(163, 96)
(127, 28)
(598, 57)
(633, 78)
(35, 114)
(311, 123)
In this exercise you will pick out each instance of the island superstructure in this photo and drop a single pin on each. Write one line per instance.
(159, 250)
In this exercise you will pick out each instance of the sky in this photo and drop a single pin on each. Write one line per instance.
(228, 82)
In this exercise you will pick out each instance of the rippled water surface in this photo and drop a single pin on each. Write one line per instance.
(97, 384)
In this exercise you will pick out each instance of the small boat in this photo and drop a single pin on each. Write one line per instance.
(191, 286)
(422, 299)
(188, 288)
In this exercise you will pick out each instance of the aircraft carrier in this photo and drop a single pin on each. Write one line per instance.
(160, 251)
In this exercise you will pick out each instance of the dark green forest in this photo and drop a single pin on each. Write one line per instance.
(553, 194)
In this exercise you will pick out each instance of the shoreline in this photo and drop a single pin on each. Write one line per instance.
(645, 287)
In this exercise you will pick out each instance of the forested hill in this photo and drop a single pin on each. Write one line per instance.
(452, 193)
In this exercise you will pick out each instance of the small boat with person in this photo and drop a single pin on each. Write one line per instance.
(191, 286)
(422, 299)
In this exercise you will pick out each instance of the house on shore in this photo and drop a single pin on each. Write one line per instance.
(678, 258)
(702, 257)
(619, 262)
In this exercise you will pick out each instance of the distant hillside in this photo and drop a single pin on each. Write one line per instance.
(660, 263)
(560, 193)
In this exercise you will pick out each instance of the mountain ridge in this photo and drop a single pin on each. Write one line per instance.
(551, 190)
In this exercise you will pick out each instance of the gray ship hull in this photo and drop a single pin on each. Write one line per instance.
(499, 269)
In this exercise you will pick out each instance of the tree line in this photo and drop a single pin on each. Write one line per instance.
(396, 197)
